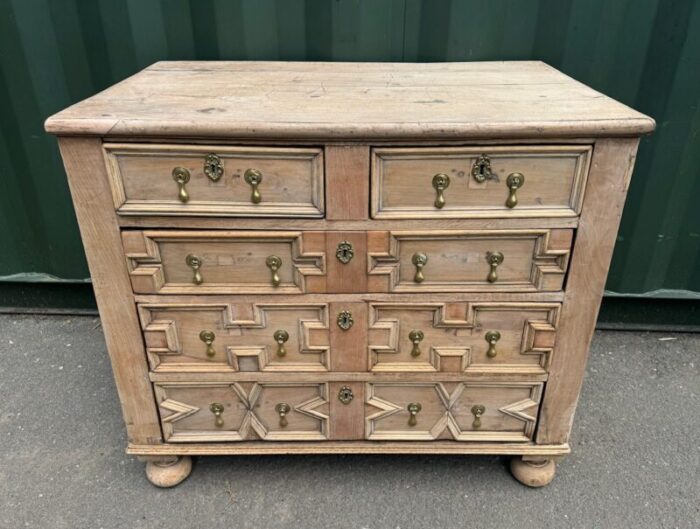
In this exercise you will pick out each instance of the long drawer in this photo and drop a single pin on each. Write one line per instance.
(198, 411)
(299, 262)
(290, 334)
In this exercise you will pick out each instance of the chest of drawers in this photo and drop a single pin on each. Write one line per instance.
(348, 258)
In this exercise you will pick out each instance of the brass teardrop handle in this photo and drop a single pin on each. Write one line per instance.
(494, 259)
(514, 182)
(208, 338)
(253, 177)
(274, 263)
(413, 409)
(195, 263)
(440, 182)
(181, 177)
(419, 261)
(283, 409)
(416, 338)
(281, 337)
(491, 338)
(477, 411)
(218, 410)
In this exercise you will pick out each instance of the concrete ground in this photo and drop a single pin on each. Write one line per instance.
(635, 461)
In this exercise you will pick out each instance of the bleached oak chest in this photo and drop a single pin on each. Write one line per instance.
(366, 258)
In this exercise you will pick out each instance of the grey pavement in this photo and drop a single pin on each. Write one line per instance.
(635, 461)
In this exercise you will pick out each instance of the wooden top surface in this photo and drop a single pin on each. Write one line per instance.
(346, 101)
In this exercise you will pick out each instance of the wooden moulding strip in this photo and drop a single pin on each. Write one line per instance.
(348, 447)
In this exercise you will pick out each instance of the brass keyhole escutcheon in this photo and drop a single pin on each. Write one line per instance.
(477, 411)
(345, 252)
(345, 395)
(218, 410)
(514, 182)
(345, 320)
(213, 167)
(281, 337)
(494, 259)
(208, 338)
(413, 409)
(253, 177)
(283, 410)
(491, 338)
(274, 263)
(181, 177)
(195, 263)
(440, 182)
(419, 260)
(416, 338)
(481, 170)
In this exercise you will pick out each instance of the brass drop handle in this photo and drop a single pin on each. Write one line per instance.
(477, 411)
(514, 182)
(281, 337)
(494, 259)
(181, 177)
(218, 410)
(195, 263)
(440, 182)
(416, 338)
(274, 263)
(283, 409)
(413, 409)
(208, 338)
(253, 177)
(491, 338)
(419, 261)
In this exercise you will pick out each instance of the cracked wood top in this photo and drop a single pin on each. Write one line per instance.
(349, 101)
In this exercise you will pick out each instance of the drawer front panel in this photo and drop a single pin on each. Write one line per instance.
(197, 412)
(466, 261)
(460, 411)
(233, 337)
(551, 184)
(225, 262)
(474, 338)
(144, 180)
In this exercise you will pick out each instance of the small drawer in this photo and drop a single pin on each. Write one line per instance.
(462, 337)
(460, 411)
(240, 411)
(486, 181)
(225, 262)
(236, 336)
(214, 180)
(468, 261)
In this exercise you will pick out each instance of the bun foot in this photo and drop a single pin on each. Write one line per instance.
(168, 472)
(533, 473)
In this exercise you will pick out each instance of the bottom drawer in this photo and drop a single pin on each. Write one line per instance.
(461, 411)
(240, 411)
(375, 410)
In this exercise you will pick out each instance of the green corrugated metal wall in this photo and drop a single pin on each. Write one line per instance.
(645, 53)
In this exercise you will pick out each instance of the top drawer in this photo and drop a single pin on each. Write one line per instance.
(485, 181)
(216, 180)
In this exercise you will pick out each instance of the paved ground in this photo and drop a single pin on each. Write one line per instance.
(635, 461)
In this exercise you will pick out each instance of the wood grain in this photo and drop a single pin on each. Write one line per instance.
(98, 228)
(611, 169)
(350, 101)
(347, 182)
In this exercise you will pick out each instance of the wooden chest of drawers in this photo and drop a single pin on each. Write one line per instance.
(367, 258)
